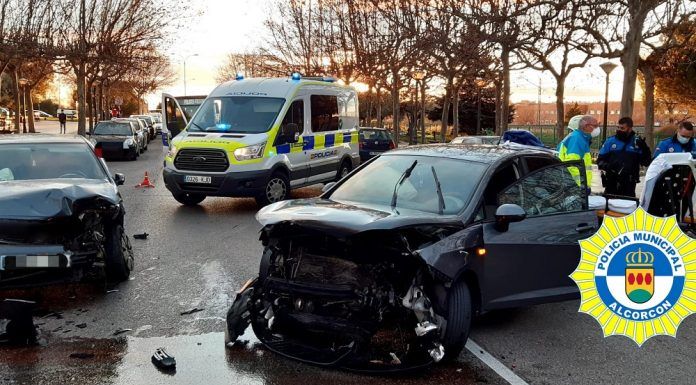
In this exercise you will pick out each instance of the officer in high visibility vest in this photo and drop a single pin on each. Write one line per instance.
(682, 141)
(576, 146)
(620, 159)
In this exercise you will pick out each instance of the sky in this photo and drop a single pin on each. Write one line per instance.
(234, 26)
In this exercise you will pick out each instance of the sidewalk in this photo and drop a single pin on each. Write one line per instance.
(53, 127)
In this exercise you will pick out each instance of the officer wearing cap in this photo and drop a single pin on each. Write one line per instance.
(620, 159)
(576, 146)
(682, 141)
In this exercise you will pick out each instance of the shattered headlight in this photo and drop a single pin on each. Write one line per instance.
(250, 152)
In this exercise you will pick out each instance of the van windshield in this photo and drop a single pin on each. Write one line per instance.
(242, 114)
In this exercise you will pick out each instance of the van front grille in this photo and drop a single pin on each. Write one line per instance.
(201, 159)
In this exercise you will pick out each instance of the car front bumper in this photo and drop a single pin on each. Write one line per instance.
(23, 264)
(230, 184)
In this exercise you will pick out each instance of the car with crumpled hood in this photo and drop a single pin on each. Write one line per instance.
(385, 270)
(60, 212)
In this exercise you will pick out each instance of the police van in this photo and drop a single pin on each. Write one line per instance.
(261, 137)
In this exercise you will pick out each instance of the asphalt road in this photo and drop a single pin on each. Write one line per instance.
(197, 257)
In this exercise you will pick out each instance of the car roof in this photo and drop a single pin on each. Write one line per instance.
(372, 128)
(41, 138)
(268, 87)
(482, 153)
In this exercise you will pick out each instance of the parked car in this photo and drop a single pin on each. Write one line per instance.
(157, 119)
(140, 129)
(149, 121)
(386, 268)
(476, 140)
(116, 139)
(60, 211)
(70, 114)
(374, 141)
(6, 124)
(38, 114)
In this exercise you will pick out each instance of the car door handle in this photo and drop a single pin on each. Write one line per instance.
(584, 227)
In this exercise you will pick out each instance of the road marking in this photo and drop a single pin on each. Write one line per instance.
(497, 366)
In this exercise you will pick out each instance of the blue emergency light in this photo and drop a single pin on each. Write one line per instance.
(240, 76)
(296, 76)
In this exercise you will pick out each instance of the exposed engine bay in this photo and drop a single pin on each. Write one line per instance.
(365, 302)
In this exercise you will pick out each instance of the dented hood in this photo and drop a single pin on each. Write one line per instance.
(51, 198)
(345, 218)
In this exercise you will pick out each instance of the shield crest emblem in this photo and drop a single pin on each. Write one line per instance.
(640, 276)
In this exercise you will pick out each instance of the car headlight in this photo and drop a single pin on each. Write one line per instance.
(128, 143)
(250, 152)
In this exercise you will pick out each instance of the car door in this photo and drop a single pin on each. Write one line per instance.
(173, 117)
(326, 136)
(531, 261)
(292, 147)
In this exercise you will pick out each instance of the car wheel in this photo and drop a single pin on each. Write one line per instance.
(189, 199)
(275, 190)
(458, 320)
(343, 170)
(133, 155)
(118, 260)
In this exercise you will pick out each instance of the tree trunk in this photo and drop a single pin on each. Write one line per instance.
(30, 110)
(455, 111)
(505, 107)
(498, 108)
(631, 56)
(422, 121)
(649, 96)
(368, 117)
(560, 108)
(18, 101)
(380, 122)
(445, 112)
(81, 100)
(395, 111)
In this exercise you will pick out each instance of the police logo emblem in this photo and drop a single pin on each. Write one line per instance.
(613, 146)
(671, 149)
(634, 275)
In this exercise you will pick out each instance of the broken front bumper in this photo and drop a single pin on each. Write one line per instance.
(19, 262)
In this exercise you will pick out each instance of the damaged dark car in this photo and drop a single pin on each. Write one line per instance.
(61, 214)
(384, 271)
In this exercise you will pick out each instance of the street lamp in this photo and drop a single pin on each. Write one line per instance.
(607, 68)
(186, 58)
(480, 83)
(23, 82)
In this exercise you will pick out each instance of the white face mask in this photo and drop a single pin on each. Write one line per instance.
(682, 139)
(595, 133)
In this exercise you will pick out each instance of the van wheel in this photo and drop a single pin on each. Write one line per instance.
(275, 190)
(118, 255)
(458, 320)
(188, 199)
(343, 170)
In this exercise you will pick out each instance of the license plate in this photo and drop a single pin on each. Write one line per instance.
(30, 262)
(198, 179)
(374, 153)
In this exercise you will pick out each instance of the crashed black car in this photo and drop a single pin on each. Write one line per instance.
(385, 269)
(60, 212)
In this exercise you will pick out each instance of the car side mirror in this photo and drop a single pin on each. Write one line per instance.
(506, 214)
(119, 178)
(328, 186)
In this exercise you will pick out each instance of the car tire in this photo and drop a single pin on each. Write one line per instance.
(188, 199)
(118, 256)
(276, 189)
(344, 170)
(459, 314)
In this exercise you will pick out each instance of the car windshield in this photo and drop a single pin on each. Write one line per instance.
(112, 128)
(30, 161)
(374, 135)
(376, 183)
(240, 114)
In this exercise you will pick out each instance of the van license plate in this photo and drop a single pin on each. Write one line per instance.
(198, 179)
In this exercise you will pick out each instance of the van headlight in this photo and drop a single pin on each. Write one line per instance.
(128, 143)
(250, 152)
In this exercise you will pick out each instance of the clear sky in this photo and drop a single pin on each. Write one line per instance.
(226, 26)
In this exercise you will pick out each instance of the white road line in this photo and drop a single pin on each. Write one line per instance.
(497, 366)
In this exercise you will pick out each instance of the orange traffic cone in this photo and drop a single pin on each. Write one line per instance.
(146, 182)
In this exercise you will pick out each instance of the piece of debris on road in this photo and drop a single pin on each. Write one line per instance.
(141, 236)
(191, 311)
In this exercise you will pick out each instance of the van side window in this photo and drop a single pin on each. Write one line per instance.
(324, 113)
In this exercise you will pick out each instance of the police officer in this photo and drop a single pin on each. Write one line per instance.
(576, 146)
(620, 159)
(682, 141)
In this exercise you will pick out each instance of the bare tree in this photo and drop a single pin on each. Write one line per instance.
(250, 65)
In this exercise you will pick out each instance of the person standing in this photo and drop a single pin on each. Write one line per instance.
(576, 146)
(62, 118)
(620, 159)
(682, 141)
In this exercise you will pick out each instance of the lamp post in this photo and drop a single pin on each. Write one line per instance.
(607, 68)
(186, 58)
(23, 82)
(418, 76)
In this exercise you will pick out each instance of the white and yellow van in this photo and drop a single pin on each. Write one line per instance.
(260, 138)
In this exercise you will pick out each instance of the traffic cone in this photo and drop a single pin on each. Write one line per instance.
(146, 182)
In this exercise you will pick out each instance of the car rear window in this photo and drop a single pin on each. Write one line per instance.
(374, 135)
(112, 128)
(30, 161)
